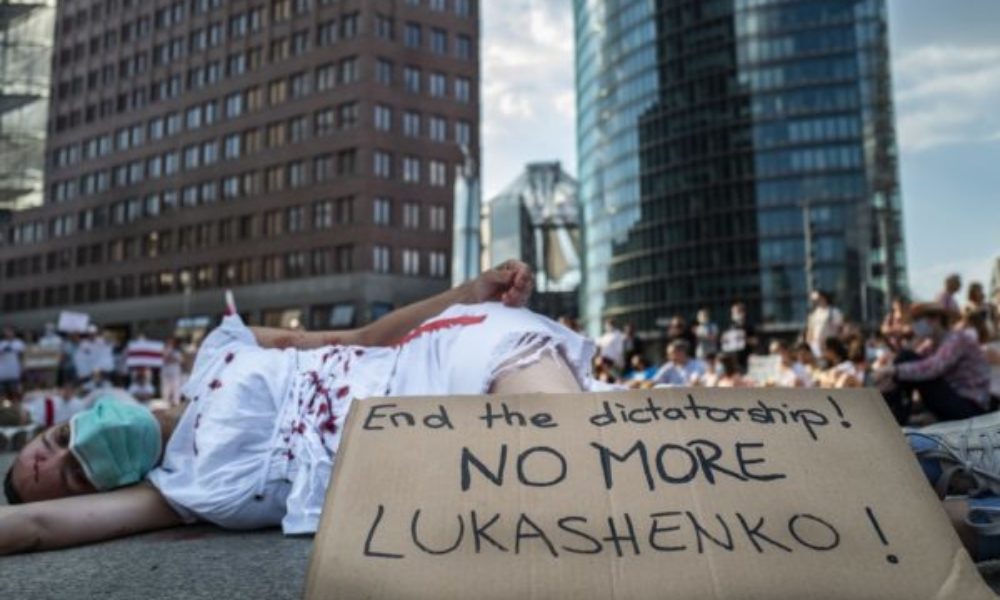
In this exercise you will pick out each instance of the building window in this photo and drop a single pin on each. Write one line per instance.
(323, 215)
(439, 41)
(438, 173)
(437, 85)
(438, 129)
(383, 72)
(382, 211)
(411, 124)
(382, 164)
(438, 264)
(381, 259)
(411, 169)
(384, 27)
(411, 80)
(298, 175)
(232, 146)
(463, 89)
(463, 47)
(383, 117)
(411, 215)
(438, 218)
(463, 133)
(411, 35)
(411, 262)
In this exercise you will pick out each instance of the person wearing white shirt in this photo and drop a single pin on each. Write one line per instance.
(11, 352)
(825, 321)
(612, 344)
(681, 370)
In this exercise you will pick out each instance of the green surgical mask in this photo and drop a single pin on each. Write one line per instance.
(117, 443)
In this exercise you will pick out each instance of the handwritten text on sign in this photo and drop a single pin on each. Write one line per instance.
(705, 493)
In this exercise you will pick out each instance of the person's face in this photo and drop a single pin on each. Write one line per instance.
(954, 284)
(46, 469)
(976, 295)
(738, 313)
(676, 325)
(678, 356)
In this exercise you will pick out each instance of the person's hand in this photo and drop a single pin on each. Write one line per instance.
(510, 283)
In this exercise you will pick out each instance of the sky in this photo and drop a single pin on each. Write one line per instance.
(946, 79)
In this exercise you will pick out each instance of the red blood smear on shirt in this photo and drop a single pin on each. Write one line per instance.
(230, 357)
(330, 425)
(441, 324)
(323, 409)
(216, 384)
(342, 392)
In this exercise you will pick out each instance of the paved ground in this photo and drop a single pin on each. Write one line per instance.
(185, 563)
(188, 563)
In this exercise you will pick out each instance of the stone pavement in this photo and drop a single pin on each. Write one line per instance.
(188, 563)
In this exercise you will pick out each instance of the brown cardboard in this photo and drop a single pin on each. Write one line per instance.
(851, 516)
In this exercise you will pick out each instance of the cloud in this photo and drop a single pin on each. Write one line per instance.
(946, 94)
(528, 87)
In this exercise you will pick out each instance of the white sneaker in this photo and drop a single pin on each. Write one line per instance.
(966, 451)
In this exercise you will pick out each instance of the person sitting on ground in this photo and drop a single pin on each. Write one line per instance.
(791, 373)
(953, 381)
(254, 444)
(680, 369)
(804, 356)
(732, 375)
(142, 385)
(841, 371)
(641, 373)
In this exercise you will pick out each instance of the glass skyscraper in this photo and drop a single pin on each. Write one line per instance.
(736, 150)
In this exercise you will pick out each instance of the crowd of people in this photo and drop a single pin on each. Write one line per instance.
(937, 360)
(48, 378)
(939, 356)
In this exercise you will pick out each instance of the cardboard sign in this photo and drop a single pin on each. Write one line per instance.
(686, 494)
(764, 369)
(73, 322)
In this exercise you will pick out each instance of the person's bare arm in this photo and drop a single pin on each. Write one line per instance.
(78, 520)
(510, 283)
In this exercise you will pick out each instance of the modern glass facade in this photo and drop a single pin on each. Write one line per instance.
(710, 133)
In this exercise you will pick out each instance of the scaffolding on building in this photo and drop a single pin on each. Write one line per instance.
(26, 32)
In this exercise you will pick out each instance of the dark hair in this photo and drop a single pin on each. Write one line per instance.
(837, 347)
(8, 489)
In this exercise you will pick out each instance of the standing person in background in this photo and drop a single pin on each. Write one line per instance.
(171, 374)
(707, 335)
(740, 339)
(825, 321)
(612, 344)
(978, 310)
(678, 329)
(633, 345)
(84, 356)
(896, 325)
(142, 387)
(50, 340)
(947, 296)
(11, 351)
(104, 354)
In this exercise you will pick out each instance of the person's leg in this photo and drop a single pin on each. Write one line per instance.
(549, 375)
(946, 404)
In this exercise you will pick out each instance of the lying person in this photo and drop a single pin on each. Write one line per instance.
(255, 442)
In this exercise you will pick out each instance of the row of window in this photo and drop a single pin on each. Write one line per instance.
(235, 65)
(292, 265)
(324, 214)
(277, 92)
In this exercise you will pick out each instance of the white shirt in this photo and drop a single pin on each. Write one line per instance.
(612, 345)
(823, 323)
(10, 359)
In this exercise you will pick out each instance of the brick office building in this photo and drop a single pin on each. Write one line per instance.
(300, 152)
